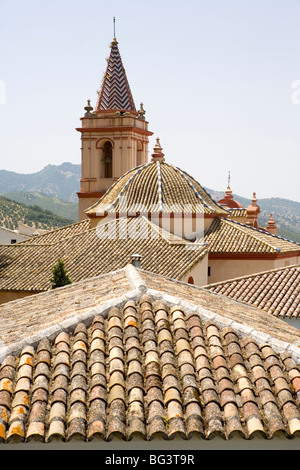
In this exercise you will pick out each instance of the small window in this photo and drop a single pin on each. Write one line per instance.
(107, 158)
(208, 271)
(191, 280)
(13, 241)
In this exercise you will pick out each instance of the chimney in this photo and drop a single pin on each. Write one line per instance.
(136, 260)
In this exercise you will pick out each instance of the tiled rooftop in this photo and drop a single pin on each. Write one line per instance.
(157, 186)
(147, 364)
(276, 291)
(58, 234)
(229, 236)
(237, 212)
(88, 253)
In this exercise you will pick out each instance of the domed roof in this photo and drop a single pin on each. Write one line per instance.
(156, 187)
(229, 201)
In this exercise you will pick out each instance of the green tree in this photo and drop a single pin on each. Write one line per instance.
(60, 276)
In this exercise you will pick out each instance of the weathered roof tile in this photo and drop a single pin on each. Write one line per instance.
(171, 373)
(275, 291)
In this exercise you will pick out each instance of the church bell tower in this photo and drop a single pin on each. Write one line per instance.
(114, 136)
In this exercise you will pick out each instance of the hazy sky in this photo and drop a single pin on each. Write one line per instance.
(216, 78)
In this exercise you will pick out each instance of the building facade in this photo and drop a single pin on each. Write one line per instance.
(114, 136)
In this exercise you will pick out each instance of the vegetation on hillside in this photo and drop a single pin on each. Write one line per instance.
(51, 203)
(12, 212)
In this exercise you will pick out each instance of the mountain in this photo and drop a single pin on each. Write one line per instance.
(62, 181)
(61, 207)
(12, 212)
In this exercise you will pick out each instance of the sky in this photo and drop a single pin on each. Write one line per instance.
(219, 80)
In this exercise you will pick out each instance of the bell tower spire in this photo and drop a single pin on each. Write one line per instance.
(114, 136)
(115, 93)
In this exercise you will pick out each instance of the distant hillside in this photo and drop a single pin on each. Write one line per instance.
(62, 208)
(12, 212)
(62, 181)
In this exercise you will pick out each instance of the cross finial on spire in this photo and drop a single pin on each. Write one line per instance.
(114, 20)
(229, 179)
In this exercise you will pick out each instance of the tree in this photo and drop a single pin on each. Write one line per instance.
(60, 276)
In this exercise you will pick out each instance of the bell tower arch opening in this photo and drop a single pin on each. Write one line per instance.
(139, 153)
(107, 159)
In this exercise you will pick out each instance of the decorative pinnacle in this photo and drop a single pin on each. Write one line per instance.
(142, 112)
(157, 156)
(88, 109)
(114, 42)
(271, 221)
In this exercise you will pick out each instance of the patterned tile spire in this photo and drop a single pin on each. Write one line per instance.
(115, 90)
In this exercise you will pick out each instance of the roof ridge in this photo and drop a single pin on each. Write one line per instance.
(243, 330)
(138, 287)
(159, 187)
(187, 178)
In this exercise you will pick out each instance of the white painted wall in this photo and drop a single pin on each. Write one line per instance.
(6, 236)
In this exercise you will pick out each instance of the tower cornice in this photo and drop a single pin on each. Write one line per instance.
(115, 129)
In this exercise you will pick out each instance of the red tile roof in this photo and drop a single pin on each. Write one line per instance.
(276, 291)
(147, 365)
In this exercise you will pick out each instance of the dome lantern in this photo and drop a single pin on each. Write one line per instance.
(157, 155)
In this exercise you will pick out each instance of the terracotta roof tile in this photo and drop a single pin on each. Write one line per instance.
(229, 236)
(150, 366)
(215, 395)
(155, 187)
(28, 267)
(276, 291)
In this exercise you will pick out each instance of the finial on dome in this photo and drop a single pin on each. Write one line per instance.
(157, 156)
(228, 191)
